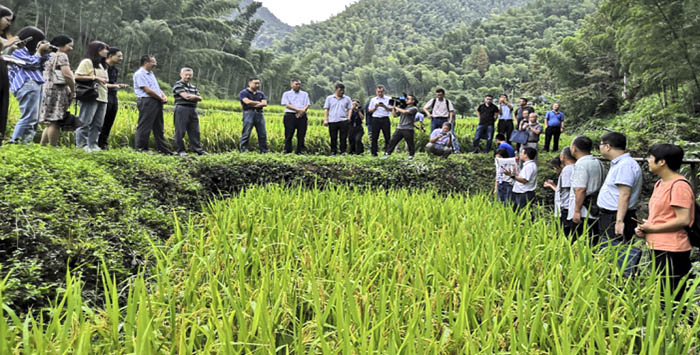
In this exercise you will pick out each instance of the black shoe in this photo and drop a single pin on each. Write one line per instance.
(202, 153)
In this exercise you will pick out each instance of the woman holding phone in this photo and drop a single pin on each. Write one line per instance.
(7, 45)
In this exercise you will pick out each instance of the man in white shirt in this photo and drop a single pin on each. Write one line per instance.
(296, 103)
(338, 111)
(380, 110)
(526, 181)
(439, 110)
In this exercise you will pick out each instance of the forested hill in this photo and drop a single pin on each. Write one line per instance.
(390, 24)
(273, 28)
(467, 55)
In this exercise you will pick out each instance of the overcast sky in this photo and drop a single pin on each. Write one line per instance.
(297, 12)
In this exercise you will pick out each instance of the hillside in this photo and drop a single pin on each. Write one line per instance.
(468, 48)
(272, 29)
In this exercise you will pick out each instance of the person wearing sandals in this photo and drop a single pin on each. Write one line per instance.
(92, 113)
(59, 90)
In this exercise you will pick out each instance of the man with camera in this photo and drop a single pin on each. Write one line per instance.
(338, 111)
(408, 111)
(441, 141)
(380, 109)
(356, 130)
(296, 102)
(439, 110)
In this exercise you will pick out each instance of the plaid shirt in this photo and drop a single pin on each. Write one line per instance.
(182, 87)
(32, 71)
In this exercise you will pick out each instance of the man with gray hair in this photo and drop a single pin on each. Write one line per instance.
(185, 118)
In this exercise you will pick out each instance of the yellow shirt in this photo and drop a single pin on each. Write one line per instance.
(86, 69)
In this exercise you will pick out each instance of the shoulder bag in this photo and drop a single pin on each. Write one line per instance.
(86, 90)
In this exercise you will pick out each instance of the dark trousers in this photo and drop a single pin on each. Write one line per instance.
(505, 127)
(566, 225)
(405, 134)
(437, 122)
(187, 121)
(505, 192)
(291, 124)
(483, 132)
(150, 119)
(677, 265)
(521, 200)
(382, 124)
(549, 133)
(4, 98)
(579, 230)
(355, 140)
(110, 116)
(339, 130)
(628, 256)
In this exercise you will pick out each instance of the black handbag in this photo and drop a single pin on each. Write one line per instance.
(70, 121)
(86, 90)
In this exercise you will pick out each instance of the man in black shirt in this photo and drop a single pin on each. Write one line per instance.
(114, 58)
(488, 113)
(356, 130)
(185, 117)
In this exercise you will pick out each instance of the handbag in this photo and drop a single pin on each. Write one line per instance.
(70, 121)
(86, 90)
(519, 137)
(57, 77)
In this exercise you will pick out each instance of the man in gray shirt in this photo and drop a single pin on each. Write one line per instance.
(405, 130)
(586, 181)
(619, 197)
(150, 105)
(338, 111)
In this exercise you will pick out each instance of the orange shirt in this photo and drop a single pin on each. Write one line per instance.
(661, 211)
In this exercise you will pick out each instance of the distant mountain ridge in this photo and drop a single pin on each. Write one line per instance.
(272, 29)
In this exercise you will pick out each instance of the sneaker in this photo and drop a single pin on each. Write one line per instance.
(410, 157)
(202, 153)
(182, 154)
(87, 149)
(95, 148)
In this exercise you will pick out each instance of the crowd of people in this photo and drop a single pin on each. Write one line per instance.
(589, 203)
(602, 206)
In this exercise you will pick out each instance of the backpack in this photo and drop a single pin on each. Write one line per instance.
(693, 230)
(447, 102)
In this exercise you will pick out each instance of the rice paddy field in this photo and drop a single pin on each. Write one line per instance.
(298, 271)
(301, 270)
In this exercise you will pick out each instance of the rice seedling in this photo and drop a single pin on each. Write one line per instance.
(347, 271)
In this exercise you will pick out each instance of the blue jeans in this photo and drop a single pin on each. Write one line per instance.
(29, 97)
(92, 115)
(505, 192)
(483, 132)
(254, 119)
(437, 122)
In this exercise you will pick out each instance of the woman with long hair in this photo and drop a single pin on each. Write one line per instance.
(59, 90)
(92, 113)
(26, 80)
(7, 45)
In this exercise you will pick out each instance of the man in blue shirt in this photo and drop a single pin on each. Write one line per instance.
(253, 101)
(506, 122)
(554, 125)
(502, 144)
(619, 197)
(26, 81)
(150, 105)
(441, 141)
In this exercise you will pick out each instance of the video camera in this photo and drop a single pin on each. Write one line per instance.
(399, 102)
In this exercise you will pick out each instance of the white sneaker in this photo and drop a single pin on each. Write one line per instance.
(95, 148)
(182, 154)
(87, 149)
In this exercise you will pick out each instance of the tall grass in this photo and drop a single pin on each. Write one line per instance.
(344, 271)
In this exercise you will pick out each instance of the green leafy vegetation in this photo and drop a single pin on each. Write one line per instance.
(342, 270)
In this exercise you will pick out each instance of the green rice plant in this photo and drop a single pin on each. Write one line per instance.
(331, 271)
